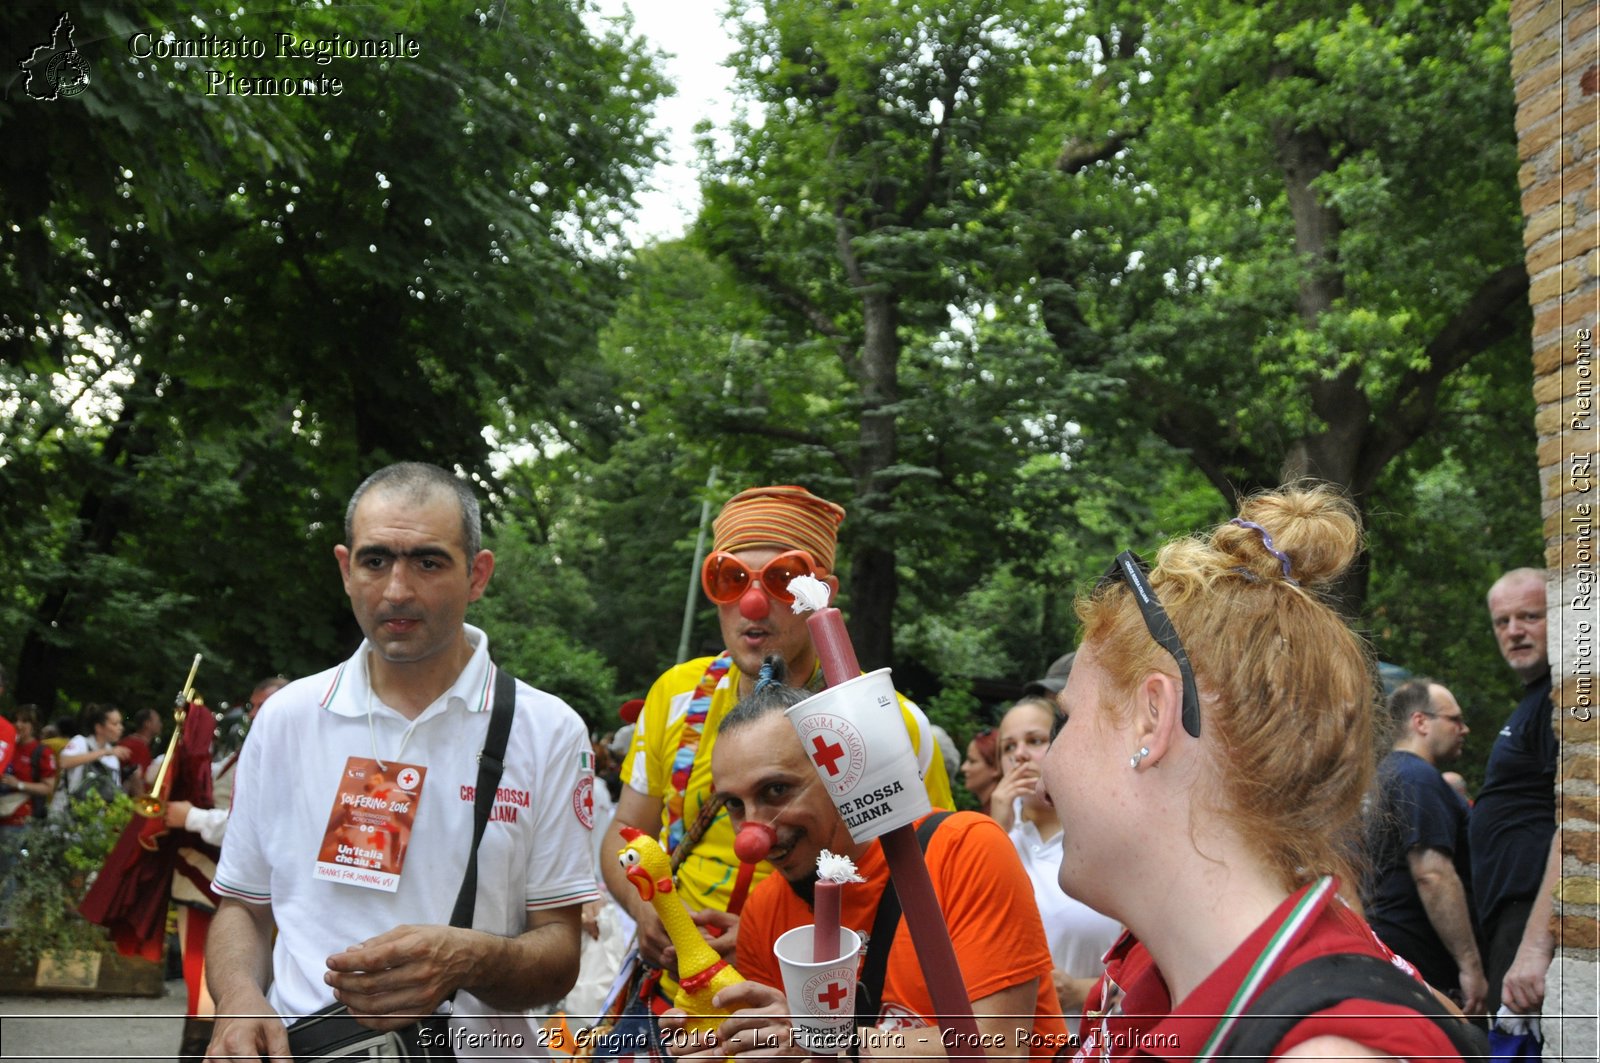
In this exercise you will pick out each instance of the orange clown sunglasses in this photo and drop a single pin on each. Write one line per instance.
(725, 578)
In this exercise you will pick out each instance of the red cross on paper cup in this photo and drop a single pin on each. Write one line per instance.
(833, 995)
(826, 754)
(856, 736)
(820, 993)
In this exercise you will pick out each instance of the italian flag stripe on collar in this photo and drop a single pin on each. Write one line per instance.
(1277, 945)
(333, 687)
(486, 695)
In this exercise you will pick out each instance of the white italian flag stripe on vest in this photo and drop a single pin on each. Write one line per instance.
(1299, 915)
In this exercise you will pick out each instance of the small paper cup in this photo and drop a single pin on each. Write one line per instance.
(822, 996)
(857, 741)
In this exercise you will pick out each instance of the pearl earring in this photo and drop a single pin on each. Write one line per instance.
(1133, 761)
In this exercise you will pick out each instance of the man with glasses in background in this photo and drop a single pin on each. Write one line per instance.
(1418, 896)
(763, 538)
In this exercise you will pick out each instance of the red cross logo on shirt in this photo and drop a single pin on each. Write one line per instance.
(827, 754)
(833, 995)
(583, 801)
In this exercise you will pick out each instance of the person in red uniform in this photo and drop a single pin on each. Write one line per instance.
(191, 882)
(142, 745)
(1220, 731)
(25, 789)
(31, 774)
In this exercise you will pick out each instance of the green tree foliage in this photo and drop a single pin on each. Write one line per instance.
(1020, 284)
(267, 298)
(1292, 231)
(1080, 292)
(680, 367)
(45, 884)
(535, 612)
(853, 204)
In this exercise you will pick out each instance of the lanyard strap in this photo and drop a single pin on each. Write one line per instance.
(1256, 977)
(688, 751)
(1111, 994)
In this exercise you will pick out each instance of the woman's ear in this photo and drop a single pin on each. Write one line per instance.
(1159, 716)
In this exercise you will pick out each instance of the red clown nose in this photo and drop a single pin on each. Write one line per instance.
(753, 842)
(754, 604)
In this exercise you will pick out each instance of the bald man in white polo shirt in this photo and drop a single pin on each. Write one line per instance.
(362, 912)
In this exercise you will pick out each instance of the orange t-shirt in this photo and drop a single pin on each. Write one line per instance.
(988, 905)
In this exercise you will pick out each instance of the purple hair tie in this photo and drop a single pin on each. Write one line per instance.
(1266, 539)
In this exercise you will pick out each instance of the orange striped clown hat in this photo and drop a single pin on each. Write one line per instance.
(784, 517)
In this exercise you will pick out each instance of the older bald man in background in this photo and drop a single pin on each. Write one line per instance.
(1516, 853)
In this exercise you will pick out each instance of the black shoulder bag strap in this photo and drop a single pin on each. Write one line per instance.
(491, 763)
(1327, 981)
(869, 987)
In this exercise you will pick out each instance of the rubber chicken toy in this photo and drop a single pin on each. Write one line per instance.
(701, 972)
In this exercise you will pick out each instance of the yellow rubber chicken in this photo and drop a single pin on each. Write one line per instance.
(701, 972)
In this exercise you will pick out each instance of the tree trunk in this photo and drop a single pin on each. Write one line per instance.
(1333, 451)
(1303, 156)
(875, 582)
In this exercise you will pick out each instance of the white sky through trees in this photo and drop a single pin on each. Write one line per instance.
(696, 44)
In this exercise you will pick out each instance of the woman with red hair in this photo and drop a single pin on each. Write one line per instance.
(980, 772)
(1221, 732)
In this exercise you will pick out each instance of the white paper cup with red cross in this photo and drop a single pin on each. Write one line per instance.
(822, 996)
(856, 740)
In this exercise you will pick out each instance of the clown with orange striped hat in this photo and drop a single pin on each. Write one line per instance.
(763, 538)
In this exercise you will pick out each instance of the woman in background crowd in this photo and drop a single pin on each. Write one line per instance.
(30, 779)
(92, 759)
(980, 772)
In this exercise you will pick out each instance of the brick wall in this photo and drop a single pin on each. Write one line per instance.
(1555, 65)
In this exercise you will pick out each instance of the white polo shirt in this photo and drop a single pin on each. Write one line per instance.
(535, 852)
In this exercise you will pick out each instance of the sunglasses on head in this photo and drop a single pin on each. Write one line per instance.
(725, 578)
(1131, 569)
